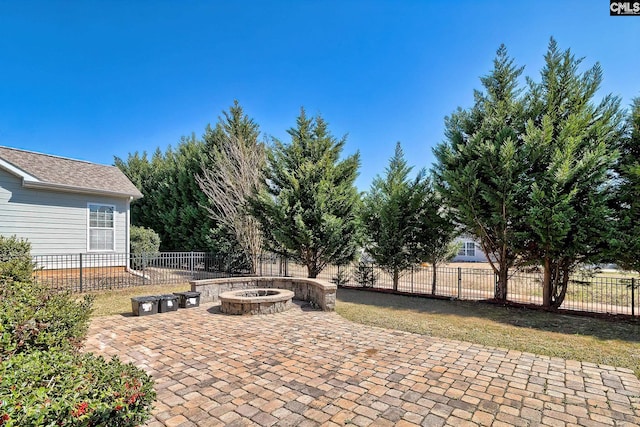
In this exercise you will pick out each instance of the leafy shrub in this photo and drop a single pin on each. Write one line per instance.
(35, 318)
(365, 275)
(144, 244)
(144, 240)
(44, 380)
(342, 276)
(15, 259)
(67, 389)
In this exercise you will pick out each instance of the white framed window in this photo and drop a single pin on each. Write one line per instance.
(101, 234)
(467, 249)
(463, 249)
(471, 249)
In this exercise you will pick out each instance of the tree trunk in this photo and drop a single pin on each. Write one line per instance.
(396, 279)
(312, 265)
(501, 287)
(546, 284)
(312, 270)
(500, 292)
(433, 280)
(253, 262)
(502, 271)
(562, 282)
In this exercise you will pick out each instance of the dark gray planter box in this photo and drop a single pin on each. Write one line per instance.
(144, 306)
(167, 303)
(188, 299)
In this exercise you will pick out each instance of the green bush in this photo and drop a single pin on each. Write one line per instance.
(66, 389)
(342, 276)
(44, 380)
(144, 244)
(365, 275)
(35, 318)
(15, 259)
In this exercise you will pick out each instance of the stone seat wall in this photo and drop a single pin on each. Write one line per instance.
(319, 292)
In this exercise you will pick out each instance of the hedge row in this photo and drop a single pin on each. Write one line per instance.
(44, 379)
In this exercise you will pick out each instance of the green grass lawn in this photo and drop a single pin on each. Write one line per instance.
(608, 342)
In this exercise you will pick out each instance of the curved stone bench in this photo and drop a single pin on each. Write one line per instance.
(316, 291)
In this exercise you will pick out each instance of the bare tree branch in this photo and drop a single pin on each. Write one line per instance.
(235, 174)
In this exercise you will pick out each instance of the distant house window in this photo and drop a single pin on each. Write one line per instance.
(467, 249)
(101, 227)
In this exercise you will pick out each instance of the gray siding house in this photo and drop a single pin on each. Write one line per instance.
(470, 250)
(64, 206)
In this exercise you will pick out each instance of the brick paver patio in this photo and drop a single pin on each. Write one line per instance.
(308, 368)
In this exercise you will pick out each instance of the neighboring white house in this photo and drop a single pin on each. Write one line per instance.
(64, 206)
(470, 251)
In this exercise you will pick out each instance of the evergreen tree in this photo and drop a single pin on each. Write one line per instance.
(391, 217)
(480, 166)
(436, 232)
(308, 209)
(233, 173)
(138, 169)
(173, 205)
(628, 194)
(570, 144)
(625, 248)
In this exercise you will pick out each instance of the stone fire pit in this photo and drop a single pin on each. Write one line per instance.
(256, 301)
(319, 293)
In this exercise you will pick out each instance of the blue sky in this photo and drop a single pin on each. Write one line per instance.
(97, 79)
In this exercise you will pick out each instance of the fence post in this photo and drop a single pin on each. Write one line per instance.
(633, 296)
(459, 283)
(373, 272)
(412, 279)
(191, 266)
(80, 273)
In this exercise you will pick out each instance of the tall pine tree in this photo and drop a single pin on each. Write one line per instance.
(436, 232)
(391, 217)
(570, 143)
(173, 205)
(308, 209)
(628, 194)
(480, 166)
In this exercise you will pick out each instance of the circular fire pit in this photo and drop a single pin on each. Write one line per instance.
(255, 301)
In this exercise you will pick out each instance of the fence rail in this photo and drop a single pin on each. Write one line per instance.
(93, 272)
(598, 293)
(587, 292)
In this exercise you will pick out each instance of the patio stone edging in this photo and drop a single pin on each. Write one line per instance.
(316, 291)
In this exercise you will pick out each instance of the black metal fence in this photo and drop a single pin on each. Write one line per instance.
(93, 272)
(596, 292)
(588, 291)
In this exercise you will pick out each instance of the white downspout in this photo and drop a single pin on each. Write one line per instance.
(128, 235)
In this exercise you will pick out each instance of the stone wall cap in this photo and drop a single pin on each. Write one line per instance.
(237, 297)
(318, 282)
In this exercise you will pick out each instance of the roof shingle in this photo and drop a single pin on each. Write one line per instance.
(70, 174)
